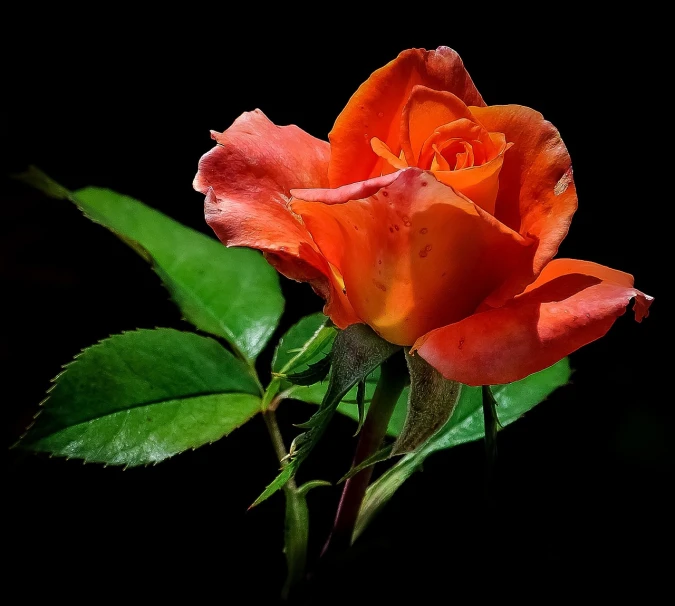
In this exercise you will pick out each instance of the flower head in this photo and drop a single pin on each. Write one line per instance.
(429, 216)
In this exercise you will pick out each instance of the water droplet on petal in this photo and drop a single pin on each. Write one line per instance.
(427, 247)
(385, 193)
(424, 252)
(424, 230)
(380, 114)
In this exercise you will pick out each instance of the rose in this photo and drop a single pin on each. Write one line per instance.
(430, 216)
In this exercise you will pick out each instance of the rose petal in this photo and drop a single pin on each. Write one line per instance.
(394, 162)
(479, 183)
(563, 267)
(375, 109)
(425, 111)
(536, 195)
(464, 158)
(248, 177)
(439, 162)
(571, 304)
(462, 129)
(414, 255)
(340, 195)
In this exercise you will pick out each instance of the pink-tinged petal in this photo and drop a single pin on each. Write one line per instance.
(537, 196)
(561, 313)
(425, 111)
(287, 246)
(414, 254)
(375, 109)
(247, 180)
(255, 156)
(340, 195)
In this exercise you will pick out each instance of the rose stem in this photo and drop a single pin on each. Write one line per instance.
(296, 521)
(277, 442)
(392, 380)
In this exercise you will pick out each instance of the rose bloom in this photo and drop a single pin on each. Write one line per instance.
(429, 216)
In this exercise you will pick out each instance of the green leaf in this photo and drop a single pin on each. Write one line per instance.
(513, 400)
(431, 403)
(143, 396)
(357, 351)
(311, 338)
(278, 483)
(349, 405)
(308, 341)
(314, 373)
(360, 405)
(465, 425)
(377, 457)
(228, 292)
(307, 486)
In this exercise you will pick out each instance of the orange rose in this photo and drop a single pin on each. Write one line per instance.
(429, 216)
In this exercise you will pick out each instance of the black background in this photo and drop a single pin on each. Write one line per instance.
(582, 494)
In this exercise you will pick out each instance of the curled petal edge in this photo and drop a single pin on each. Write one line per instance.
(537, 328)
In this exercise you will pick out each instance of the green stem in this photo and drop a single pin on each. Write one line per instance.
(392, 380)
(296, 522)
(277, 442)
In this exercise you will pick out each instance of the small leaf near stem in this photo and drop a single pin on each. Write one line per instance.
(393, 379)
(381, 455)
(314, 373)
(357, 351)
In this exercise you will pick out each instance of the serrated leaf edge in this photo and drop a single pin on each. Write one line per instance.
(65, 367)
(57, 191)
